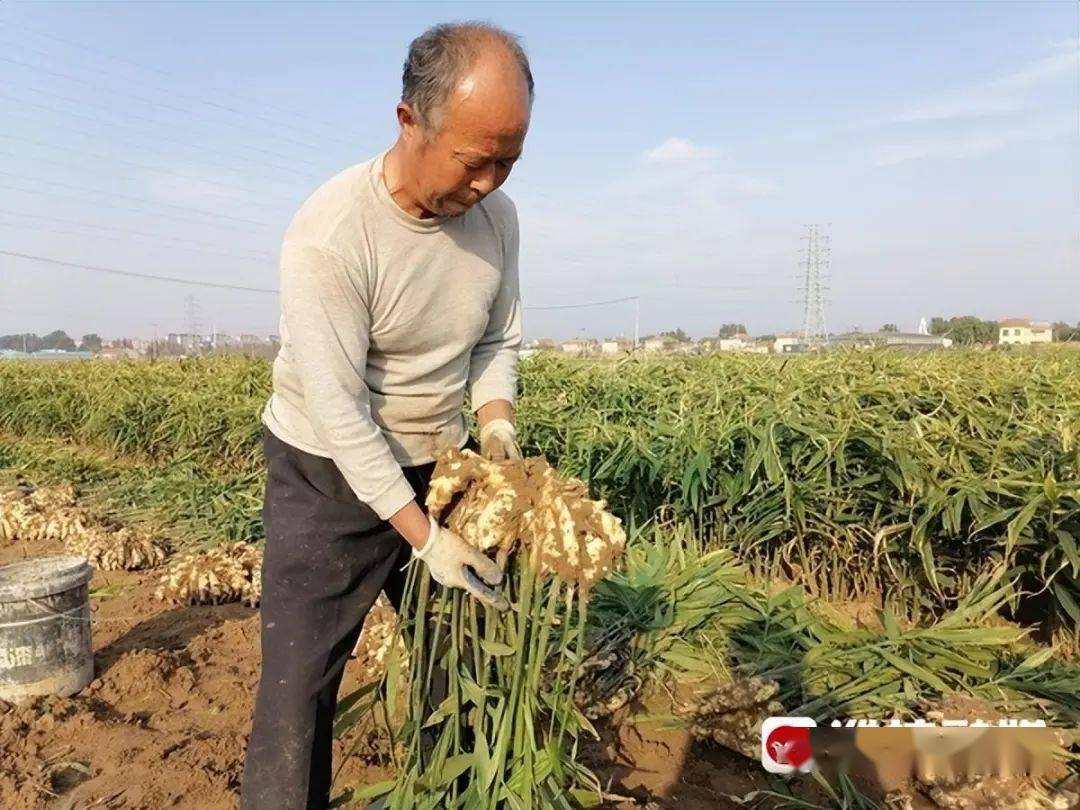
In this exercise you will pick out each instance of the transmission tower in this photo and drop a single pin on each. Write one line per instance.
(193, 320)
(815, 279)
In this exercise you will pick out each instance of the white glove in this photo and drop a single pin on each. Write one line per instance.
(498, 441)
(452, 562)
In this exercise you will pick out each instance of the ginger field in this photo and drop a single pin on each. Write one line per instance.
(865, 534)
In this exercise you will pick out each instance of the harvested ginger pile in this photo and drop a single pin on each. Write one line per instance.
(53, 513)
(227, 573)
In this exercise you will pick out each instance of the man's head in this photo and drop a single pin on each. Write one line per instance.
(464, 111)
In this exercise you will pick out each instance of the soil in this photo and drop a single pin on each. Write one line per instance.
(165, 721)
(164, 724)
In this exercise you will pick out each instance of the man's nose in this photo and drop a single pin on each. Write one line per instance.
(484, 181)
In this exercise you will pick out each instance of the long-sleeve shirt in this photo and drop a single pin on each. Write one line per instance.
(387, 321)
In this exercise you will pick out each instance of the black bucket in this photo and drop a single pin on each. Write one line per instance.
(45, 628)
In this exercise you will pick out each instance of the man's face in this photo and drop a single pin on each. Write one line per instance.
(480, 136)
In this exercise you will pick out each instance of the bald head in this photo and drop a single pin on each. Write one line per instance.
(463, 116)
(459, 59)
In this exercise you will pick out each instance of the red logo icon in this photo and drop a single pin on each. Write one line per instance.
(785, 744)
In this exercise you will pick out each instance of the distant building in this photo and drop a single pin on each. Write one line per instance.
(659, 343)
(736, 343)
(58, 355)
(1024, 332)
(250, 340)
(895, 340)
(577, 348)
(185, 341)
(786, 342)
(118, 353)
(616, 346)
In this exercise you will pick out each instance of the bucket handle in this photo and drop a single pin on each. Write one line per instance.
(54, 614)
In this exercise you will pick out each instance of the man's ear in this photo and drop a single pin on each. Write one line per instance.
(409, 121)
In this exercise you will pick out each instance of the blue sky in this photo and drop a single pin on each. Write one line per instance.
(677, 153)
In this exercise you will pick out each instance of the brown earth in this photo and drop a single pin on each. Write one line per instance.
(165, 722)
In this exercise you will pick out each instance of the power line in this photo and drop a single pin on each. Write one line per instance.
(147, 234)
(192, 244)
(151, 69)
(214, 214)
(132, 274)
(185, 111)
(637, 309)
(154, 122)
(97, 137)
(117, 206)
(157, 136)
(589, 304)
(113, 159)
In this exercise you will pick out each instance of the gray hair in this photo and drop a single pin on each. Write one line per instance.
(438, 59)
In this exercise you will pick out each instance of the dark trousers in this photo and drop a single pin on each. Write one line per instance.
(328, 555)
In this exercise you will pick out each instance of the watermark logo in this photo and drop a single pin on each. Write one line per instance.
(785, 744)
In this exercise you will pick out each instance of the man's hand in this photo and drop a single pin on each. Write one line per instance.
(451, 562)
(498, 441)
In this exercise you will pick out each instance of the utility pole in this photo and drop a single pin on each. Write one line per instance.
(194, 326)
(637, 319)
(814, 285)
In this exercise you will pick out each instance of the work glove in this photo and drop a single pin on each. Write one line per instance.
(498, 441)
(455, 564)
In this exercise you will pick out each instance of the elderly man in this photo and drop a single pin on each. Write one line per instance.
(399, 295)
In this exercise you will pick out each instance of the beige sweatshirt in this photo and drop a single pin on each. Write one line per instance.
(386, 319)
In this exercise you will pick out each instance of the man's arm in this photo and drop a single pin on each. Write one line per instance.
(496, 409)
(328, 324)
(412, 524)
(494, 359)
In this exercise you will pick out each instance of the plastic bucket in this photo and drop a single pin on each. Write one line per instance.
(45, 628)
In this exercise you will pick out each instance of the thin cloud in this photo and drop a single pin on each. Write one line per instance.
(1005, 96)
(189, 187)
(991, 110)
(681, 150)
(966, 147)
(678, 162)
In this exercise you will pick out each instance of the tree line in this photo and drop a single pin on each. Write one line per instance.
(967, 330)
(58, 340)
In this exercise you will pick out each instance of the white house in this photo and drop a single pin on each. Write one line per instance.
(659, 343)
(785, 340)
(736, 343)
(616, 346)
(1024, 332)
